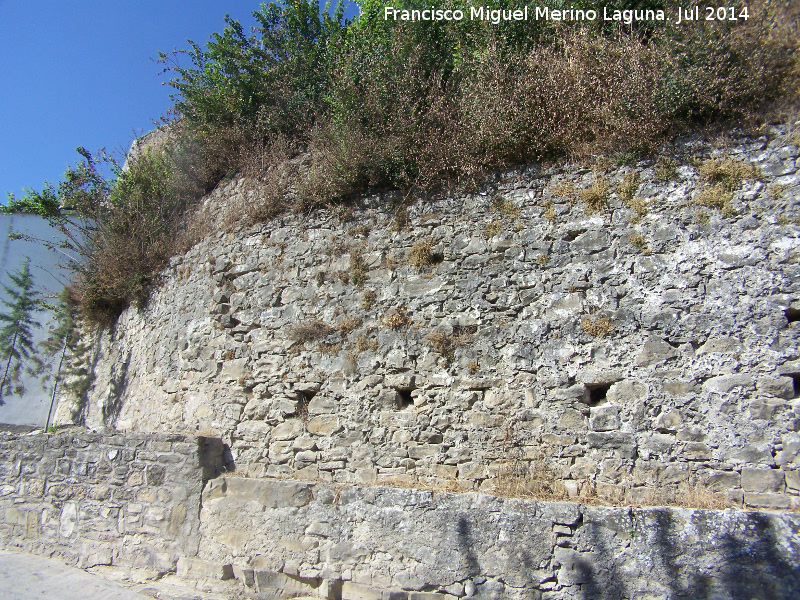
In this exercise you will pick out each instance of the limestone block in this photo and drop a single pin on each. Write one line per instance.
(244, 575)
(790, 454)
(727, 345)
(725, 383)
(792, 480)
(355, 591)
(780, 387)
(13, 516)
(604, 418)
(320, 405)
(765, 408)
(677, 387)
(422, 451)
(696, 451)
(670, 421)
(657, 443)
(751, 454)
(721, 480)
(388, 399)
(767, 500)
(155, 475)
(68, 519)
(572, 419)
(268, 492)
(673, 473)
(234, 370)
(281, 452)
(762, 480)
(288, 430)
(627, 392)
(655, 351)
(194, 568)
(324, 425)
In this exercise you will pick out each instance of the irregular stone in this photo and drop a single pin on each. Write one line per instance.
(655, 351)
(268, 492)
(627, 392)
(725, 383)
(275, 586)
(604, 418)
(668, 421)
(762, 480)
(780, 387)
(722, 344)
(195, 568)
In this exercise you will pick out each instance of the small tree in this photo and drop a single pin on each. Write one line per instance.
(16, 333)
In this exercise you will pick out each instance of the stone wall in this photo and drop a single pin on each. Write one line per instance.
(373, 543)
(653, 343)
(122, 499)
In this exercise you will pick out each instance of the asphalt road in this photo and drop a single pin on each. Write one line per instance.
(29, 577)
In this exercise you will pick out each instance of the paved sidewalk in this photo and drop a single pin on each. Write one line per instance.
(29, 577)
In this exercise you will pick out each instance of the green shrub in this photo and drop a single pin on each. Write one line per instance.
(378, 104)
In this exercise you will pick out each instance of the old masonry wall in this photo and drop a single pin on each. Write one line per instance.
(649, 345)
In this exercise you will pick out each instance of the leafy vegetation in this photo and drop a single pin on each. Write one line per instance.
(312, 109)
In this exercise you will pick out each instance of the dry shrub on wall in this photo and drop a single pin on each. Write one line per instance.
(404, 115)
(581, 96)
(742, 71)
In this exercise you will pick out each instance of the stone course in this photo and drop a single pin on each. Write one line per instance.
(93, 499)
(135, 501)
(650, 345)
(376, 543)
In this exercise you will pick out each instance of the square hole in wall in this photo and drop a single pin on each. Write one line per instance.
(405, 397)
(594, 394)
(792, 315)
(303, 400)
(796, 379)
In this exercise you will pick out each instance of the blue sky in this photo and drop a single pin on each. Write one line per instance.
(80, 74)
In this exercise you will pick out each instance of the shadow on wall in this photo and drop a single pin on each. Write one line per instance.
(661, 552)
(522, 560)
(112, 407)
(741, 564)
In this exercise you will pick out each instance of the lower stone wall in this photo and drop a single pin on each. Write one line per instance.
(156, 501)
(289, 538)
(95, 499)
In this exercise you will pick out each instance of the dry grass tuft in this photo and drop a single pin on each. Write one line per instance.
(714, 196)
(598, 328)
(505, 207)
(446, 345)
(348, 324)
(666, 169)
(329, 348)
(400, 219)
(640, 243)
(628, 187)
(422, 255)
(310, 331)
(358, 268)
(368, 299)
(398, 318)
(533, 480)
(563, 189)
(493, 228)
(727, 173)
(549, 212)
(595, 197)
(638, 205)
